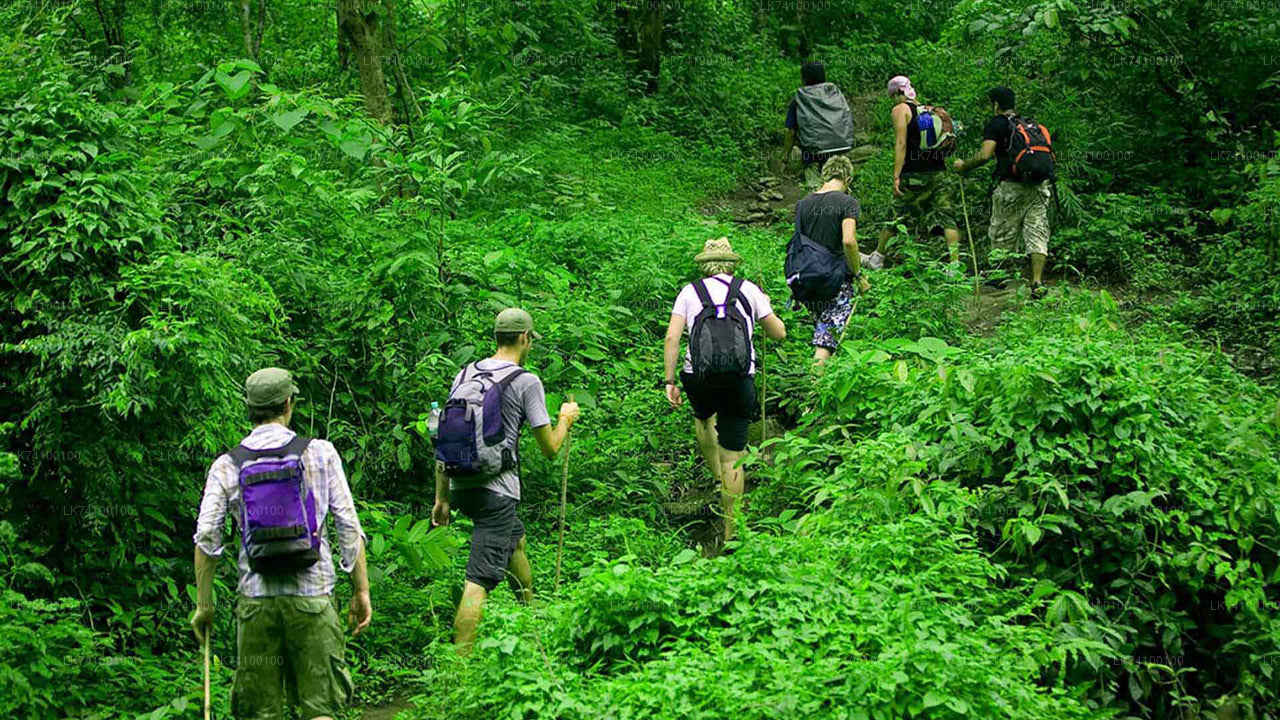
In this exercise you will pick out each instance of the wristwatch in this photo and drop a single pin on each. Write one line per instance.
(662, 384)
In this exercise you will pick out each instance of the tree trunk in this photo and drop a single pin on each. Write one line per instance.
(358, 25)
(651, 42)
(404, 91)
(252, 30)
(111, 17)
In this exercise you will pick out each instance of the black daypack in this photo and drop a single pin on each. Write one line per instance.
(720, 340)
(813, 273)
(1031, 158)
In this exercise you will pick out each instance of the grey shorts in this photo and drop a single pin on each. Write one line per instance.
(495, 536)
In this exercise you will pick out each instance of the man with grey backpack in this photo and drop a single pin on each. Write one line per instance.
(478, 464)
(819, 119)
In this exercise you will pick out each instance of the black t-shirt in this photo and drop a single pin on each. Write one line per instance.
(1000, 129)
(819, 216)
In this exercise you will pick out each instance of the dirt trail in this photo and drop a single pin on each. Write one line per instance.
(386, 710)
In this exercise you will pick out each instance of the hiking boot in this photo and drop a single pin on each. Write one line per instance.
(1038, 290)
(875, 260)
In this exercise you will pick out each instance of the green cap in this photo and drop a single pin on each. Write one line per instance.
(269, 387)
(514, 320)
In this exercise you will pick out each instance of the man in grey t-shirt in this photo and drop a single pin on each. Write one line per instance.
(497, 540)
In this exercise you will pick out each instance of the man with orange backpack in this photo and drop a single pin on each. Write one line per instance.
(922, 191)
(1025, 168)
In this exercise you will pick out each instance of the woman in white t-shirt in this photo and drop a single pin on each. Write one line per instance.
(722, 411)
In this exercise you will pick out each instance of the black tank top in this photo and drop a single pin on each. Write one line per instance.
(917, 161)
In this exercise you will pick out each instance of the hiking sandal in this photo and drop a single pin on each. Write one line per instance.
(1038, 290)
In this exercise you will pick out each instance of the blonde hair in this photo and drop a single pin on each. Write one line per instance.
(716, 267)
(837, 167)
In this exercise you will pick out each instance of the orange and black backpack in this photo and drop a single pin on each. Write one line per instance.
(1031, 158)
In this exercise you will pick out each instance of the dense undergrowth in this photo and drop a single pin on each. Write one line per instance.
(1075, 516)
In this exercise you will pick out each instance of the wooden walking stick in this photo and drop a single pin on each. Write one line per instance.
(764, 382)
(207, 632)
(564, 495)
(964, 206)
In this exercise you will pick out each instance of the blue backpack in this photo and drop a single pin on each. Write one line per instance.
(813, 273)
(471, 429)
(278, 522)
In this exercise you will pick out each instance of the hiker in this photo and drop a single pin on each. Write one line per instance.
(1020, 203)
(922, 190)
(828, 217)
(820, 119)
(478, 464)
(720, 313)
(280, 487)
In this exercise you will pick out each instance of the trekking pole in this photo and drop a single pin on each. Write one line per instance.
(208, 631)
(964, 206)
(764, 382)
(564, 495)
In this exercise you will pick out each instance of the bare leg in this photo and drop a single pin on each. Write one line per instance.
(731, 488)
(1037, 267)
(467, 620)
(709, 444)
(953, 243)
(820, 355)
(885, 234)
(520, 574)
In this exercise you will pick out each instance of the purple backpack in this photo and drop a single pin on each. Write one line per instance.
(278, 511)
(471, 435)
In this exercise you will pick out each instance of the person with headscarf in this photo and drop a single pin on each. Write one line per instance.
(922, 190)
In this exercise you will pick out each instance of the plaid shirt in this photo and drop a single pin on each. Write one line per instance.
(325, 478)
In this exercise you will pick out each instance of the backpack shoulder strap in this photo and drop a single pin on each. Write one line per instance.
(297, 445)
(240, 455)
(700, 287)
(511, 375)
(735, 293)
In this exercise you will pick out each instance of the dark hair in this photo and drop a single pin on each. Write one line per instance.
(813, 73)
(259, 415)
(1003, 97)
(507, 339)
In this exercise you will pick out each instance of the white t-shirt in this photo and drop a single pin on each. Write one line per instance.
(688, 306)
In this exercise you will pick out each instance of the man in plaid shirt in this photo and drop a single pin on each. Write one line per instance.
(289, 643)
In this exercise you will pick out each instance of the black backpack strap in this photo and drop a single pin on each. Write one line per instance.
(241, 454)
(704, 297)
(735, 293)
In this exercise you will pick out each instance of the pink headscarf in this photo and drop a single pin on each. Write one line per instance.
(902, 84)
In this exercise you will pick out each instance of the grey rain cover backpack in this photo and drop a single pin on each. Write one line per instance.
(824, 122)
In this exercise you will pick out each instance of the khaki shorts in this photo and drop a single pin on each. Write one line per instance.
(927, 203)
(1020, 212)
(289, 647)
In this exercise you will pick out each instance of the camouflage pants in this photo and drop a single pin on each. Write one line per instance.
(1020, 216)
(289, 648)
(927, 202)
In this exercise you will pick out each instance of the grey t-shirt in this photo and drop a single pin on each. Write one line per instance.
(523, 400)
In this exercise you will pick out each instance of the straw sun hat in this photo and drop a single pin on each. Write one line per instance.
(717, 250)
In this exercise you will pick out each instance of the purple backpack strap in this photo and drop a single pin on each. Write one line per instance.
(493, 431)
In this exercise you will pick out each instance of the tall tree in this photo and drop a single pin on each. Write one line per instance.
(111, 17)
(358, 33)
(651, 43)
(404, 91)
(252, 31)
